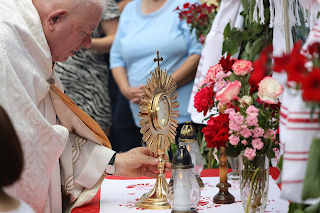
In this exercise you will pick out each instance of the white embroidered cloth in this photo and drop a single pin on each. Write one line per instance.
(125, 194)
(296, 133)
(229, 11)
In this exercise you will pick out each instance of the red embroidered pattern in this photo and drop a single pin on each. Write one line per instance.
(296, 153)
(296, 159)
(292, 181)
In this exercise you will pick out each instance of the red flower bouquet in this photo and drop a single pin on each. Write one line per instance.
(199, 17)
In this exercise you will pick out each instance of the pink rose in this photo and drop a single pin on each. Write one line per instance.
(212, 73)
(245, 132)
(244, 142)
(242, 67)
(269, 90)
(234, 126)
(238, 118)
(221, 84)
(252, 110)
(234, 140)
(257, 132)
(230, 111)
(230, 92)
(257, 143)
(250, 153)
(252, 120)
(270, 133)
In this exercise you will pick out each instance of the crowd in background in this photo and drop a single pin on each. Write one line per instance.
(105, 80)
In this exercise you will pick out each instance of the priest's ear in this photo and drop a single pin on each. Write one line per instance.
(55, 17)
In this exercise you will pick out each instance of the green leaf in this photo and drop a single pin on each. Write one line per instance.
(230, 47)
(226, 31)
(247, 48)
(313, 209)
(280, 163)
(311, 186)
(257, 29)
(245, 5)
(292, 208)
(244, 35)
(232, 151)
(270, 153)
(233, 77)
(244, 56)
(256, 47)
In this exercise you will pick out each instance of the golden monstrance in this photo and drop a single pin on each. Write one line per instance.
(158, 125)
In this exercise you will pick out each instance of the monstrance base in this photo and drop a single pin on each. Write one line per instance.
(223, 196)
(153, 203)
(157, 197)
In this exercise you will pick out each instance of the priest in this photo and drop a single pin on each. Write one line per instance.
(66, 153)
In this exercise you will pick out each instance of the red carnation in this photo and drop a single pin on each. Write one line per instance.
(311, 86)
(186, 5)
(203, 100)
(216, 132)
(227, 63)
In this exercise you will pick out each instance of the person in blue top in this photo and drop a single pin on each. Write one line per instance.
(146, 26)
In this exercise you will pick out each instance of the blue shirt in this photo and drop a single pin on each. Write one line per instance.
(137, 40)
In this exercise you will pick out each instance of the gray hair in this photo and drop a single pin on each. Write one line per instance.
(75, 3)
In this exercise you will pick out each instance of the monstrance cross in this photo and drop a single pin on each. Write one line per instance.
(158, 59)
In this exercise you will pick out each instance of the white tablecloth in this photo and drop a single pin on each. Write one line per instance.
(118, 196)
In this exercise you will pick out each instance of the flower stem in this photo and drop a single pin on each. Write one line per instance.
(210, 157)
(247, 209)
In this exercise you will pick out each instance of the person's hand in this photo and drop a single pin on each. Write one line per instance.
(133, 94)
(138, 162)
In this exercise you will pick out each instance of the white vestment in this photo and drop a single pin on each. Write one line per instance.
(32, 105)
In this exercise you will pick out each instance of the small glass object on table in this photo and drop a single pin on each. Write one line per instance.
(183, 192)
(188, 137)
(234, 163)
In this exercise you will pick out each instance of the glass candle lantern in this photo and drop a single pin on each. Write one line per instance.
(188, 137)
(183, 191)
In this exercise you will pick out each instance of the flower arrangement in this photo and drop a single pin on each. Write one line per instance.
(199, 17)
(253, 116)
(250, 122)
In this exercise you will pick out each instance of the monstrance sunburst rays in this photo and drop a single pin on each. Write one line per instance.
(157, 113)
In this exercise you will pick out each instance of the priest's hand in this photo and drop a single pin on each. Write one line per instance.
(138, 162)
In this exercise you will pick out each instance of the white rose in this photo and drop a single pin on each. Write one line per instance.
(269, 90)
(247, 100)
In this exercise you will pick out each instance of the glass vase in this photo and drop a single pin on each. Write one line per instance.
(234, 163)
(254, 183)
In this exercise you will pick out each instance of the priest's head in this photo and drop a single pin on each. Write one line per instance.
(67, 24)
